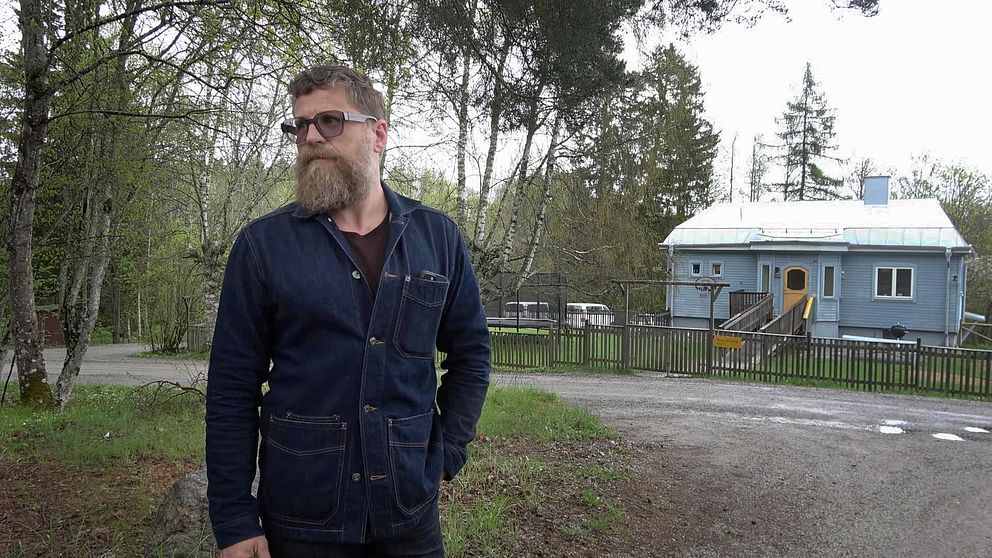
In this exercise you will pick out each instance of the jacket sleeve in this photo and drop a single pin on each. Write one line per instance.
(464, 336)
(239, 363)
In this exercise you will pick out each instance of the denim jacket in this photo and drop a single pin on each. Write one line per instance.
(354, 428)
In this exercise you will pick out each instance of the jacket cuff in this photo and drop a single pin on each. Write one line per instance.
(454, 459)
(237, 530)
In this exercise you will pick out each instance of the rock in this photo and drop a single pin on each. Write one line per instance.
(181, 528)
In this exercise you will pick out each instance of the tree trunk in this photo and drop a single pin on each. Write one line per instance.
(85, 317)
(521, 184)
(115, 303)
(462, 211)
(34, 388)
(540, 221)
(494, 120)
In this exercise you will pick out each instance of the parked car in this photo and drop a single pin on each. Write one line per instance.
(579, 313)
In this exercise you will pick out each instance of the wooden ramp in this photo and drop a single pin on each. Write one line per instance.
(791, 322)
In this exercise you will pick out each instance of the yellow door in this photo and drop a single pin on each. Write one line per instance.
(795, 286)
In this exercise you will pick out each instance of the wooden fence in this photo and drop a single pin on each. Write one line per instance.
(864, 365)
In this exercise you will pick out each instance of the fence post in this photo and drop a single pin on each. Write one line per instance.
(625, 347)
(916, 362)
(585, 344)
(809, 354)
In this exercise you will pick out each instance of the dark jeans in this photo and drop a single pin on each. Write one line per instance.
(423, 541)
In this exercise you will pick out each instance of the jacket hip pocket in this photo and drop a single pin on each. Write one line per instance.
(416, 459)
(304, 462)
(420, 315)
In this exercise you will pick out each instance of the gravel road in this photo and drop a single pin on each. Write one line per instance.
(755, 470)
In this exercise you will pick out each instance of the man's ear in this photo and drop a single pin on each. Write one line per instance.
(381, 131)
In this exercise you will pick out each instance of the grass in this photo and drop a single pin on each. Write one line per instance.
(106, 426)
(114, 451)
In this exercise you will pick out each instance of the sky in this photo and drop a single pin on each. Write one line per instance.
(914, 79)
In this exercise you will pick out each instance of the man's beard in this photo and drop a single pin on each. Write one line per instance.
(336, 183)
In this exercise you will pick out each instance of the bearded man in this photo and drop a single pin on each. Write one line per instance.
(338, 302)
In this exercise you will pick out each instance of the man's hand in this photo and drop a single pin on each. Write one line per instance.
(251, 548)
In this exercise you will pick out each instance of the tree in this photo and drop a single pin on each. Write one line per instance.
(859, 171)
(679, 143)
(807, 128)
(921, 181)
(757, 170)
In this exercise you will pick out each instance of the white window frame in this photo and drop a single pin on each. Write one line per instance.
(719, 263)
(895, 269)
(761, 270)
(695, 274)
(823, 283)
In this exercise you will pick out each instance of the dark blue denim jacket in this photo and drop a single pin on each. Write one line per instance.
(354, 425)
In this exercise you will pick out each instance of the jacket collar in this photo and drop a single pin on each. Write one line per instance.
(398, 204)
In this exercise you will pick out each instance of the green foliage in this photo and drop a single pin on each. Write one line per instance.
(807, 130)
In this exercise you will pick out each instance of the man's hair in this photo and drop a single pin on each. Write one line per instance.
(361, 93)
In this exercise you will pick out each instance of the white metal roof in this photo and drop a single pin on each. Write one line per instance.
(899, 223)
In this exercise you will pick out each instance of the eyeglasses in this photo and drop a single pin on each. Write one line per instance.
(330, 123)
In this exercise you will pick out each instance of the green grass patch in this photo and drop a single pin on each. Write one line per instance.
(106, 425)
(510, 412)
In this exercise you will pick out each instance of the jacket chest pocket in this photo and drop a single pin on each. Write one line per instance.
(420, 312)
(304, 461)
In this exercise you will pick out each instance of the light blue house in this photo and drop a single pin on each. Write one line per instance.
(868, 264)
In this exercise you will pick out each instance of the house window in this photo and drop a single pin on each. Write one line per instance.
(828, 281)
(695, 269)
(795, 280)
(716, 269)
(766, 278)
(894, 282)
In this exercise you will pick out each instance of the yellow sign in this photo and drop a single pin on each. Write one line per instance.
(727, 342)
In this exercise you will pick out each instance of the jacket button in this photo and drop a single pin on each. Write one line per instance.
(355, 477)
(356, 274)
(373, 341)
(368, 408)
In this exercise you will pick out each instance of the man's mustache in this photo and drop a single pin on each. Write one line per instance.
(309, 153)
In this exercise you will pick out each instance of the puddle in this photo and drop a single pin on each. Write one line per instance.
(949, 437)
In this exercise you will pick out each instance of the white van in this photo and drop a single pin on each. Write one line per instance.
(581, 312)
(530, 310)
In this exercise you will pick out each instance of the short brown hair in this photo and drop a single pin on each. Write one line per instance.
(360, 90)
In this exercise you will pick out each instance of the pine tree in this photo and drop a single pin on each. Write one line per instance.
(807, 129)
(680, 154)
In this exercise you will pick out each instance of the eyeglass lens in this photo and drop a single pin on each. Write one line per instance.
(329, 125)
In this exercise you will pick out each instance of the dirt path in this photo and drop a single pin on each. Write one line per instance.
(734, 469)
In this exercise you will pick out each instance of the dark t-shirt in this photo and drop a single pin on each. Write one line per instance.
(370, 249)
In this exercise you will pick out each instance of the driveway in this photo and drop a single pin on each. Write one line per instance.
(756, 470)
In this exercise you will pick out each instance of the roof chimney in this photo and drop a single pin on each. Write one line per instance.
(876, 190)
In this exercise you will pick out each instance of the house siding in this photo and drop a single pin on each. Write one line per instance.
(739, 269)
(860, 309)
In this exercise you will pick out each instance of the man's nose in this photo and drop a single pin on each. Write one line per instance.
(313, 135)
